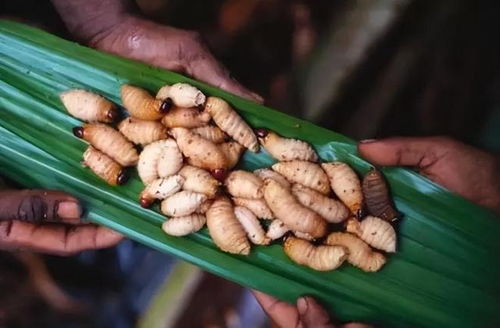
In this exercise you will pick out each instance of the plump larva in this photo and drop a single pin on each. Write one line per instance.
(230, 122)
(88, 106)
(199, 180)
(160, 189)
(202, 152)
(140, 104)
(104, 166)
(182, 203)
(285, 149)
(226, 231)
(182, 95)
(233, 151)
(180, 117)
(257, 206)
(184, 225)
(244, 184)
(330, 209)
(320, 258)
(170, 161)
(276, 230)
(287, 208)
(211, 133)
(376, 232)
(377, 198)
(306, 173)
(252, 226)
(142, 132)
(345, 183)
(109, 141)
(360, 254)
(270, 174)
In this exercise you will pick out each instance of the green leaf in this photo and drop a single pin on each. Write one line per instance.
(444, 274)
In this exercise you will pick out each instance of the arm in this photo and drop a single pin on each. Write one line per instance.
(112, 26)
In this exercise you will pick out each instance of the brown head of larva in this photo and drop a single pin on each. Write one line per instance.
(145, 202)
(261, 132)
(122, 177)
(219, 174)
(78, 131)
(112, 115)
(166, 105)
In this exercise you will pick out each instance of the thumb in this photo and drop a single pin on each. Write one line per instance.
(405, 151)
(312, 314)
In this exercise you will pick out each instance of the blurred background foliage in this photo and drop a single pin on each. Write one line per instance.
(364, 68)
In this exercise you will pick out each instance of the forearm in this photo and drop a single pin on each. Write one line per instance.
(89, 19)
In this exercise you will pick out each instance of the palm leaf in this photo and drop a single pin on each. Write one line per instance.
(444, 273)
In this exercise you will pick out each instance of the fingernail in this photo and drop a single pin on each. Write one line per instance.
(365, 141)
(302, 305)
(69, 210)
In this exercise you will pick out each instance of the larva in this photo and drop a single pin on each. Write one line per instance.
(230, 122)
(109, 141)
(199, 180)
(180, 117)
(104, 166)
(182, 203)
(159, 159)
(182, 95)
(377, 197)
(184, 225)
(171, 160)
(270, 174)
(346, 185)
(140, 104)
(211, 133)
(244, 184)
(257, 206)
(276, 230)
(226, 231)
(305, 173)
(285, 149)
(233, 151)
(252, 226)
(376, 232)
(320, 258)
(330, 209)
(88, 106)
(160, 189)
(287, 208)
(142, 132)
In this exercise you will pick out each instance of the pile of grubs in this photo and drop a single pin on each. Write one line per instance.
(191, 143)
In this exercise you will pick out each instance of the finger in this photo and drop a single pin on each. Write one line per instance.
(312, 313)
(283, 314)
(55, 239)
(206, 68)
(419, 152)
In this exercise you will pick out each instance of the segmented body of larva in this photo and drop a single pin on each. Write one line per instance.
(233, 151)
(226, 231)
(252, 226)
(360, 254)
(88, 106)
(287, 208)
(171, 160)
(184, 225)
(244, 184)
(376, 232)
(330, 209)
(320, 258)
(270, 174)
(199, 180)
(160, 189)
(180, 117)
(202, 152)
(257, 206)
(286, 149)
(142, 132)
(182, 203)
(377, 198)
(182, 95)
(104, 166)
(230, 122)
(346, 185)
(305, 173)
(211, 133)
(276, 229)
(161, 158)
(109, 141)
(140, 104)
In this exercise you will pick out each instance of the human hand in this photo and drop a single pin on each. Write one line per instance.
(465, 170)
(306, 314)
(170, 48)
(48, 222)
